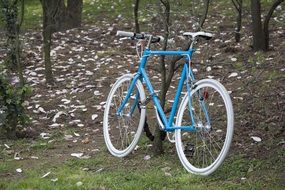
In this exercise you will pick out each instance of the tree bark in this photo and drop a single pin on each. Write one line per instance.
(205, 14)
(13, 22)
(238, 6)
(20, 66)
(57, 17)
(74, 10)
(159, 135)
(257, 31)
(65, 16)
(266, 22)
(260, 32)
(49, 15)
(136, 8)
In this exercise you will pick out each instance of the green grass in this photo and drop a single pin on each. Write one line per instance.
(33, 15)
(133, 172)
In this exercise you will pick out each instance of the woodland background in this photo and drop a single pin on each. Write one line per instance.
(58, 59)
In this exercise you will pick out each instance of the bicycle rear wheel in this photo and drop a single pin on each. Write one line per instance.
(122, 131)
(202, 152)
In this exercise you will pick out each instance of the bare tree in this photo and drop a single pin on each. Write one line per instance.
(136, 8)
(50, 10)
(266, 22)
(258, 35)
(261, 32)
(168, 70)
(159, 135)
(238, 6)
(205, 14)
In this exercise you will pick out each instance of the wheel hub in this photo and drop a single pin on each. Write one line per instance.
(201, 127)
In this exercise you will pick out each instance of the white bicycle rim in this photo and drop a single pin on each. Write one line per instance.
(229, 133)
(112, 149)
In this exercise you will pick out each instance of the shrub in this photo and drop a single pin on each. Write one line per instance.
(12, 112)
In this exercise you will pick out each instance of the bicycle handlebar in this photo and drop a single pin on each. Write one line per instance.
(154, 39)
(125, 34)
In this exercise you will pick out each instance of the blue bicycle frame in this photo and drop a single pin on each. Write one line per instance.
(141, 75)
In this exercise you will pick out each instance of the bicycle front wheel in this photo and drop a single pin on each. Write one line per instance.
(209, 109)
(122, 130)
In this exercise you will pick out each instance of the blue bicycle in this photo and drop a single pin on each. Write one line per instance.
(203, 128)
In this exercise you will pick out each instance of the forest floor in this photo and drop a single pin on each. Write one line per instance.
(68, 152)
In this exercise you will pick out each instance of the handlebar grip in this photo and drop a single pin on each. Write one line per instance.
(125, 34)
(156, 39)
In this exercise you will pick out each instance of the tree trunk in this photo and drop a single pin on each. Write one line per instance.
(67, 16)
(20, 66)
(238, 6)
(49, 13)
(159, 135)
(266, 22)
(57, 17)
(12, 121)
(74, 10)
(13, 23)
(257, 31)
(136, 8)
(48, 64)
(205, 14)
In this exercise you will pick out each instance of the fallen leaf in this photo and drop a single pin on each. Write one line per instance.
(6, 146)
(85, 141)
(167, 174)
(208, 69)
(232, 75)
(45, 175)
(79, 183)
(77, 155)
(42, 110)
(19, 170)
(17, 156)
(57, 115)
(94, 116)
(76, 134)
(147, 157)
(45, 135)
(54, 125)
(85, 157)
(54, 180)
(68, 137)
(256, 139)
(99, 170)
(165, 169)
(136, 148)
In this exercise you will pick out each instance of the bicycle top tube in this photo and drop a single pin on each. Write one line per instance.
(148, 52)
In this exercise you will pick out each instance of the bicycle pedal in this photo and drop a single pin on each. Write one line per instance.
(189, 150)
